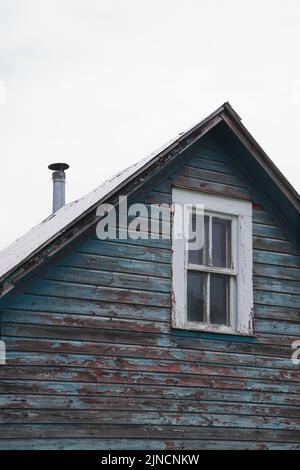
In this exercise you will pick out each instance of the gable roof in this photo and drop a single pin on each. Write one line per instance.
(13, 258)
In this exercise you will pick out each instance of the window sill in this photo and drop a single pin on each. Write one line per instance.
(213, 335)
(198, 326)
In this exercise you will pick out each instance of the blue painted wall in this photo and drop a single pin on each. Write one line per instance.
(93, 362)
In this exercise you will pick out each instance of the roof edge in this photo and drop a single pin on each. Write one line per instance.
(244, 135)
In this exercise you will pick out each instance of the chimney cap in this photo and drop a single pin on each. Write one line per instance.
(58, 166)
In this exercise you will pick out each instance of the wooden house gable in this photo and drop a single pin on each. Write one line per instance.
(89, 338)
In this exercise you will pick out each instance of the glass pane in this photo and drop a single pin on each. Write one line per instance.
(221, 242)
(200, 256)
(195, 296)
(219, 299)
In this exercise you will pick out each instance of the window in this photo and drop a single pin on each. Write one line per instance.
(212, 284)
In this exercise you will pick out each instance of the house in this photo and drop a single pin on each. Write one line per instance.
(147, 343)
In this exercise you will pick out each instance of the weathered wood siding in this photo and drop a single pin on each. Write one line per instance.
(94, 363)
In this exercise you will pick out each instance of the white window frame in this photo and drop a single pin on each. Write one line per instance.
(241, 283)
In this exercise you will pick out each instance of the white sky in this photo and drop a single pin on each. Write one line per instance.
(101, 83)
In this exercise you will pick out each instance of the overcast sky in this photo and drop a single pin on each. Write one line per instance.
(99, 84)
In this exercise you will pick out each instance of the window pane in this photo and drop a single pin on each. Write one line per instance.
(200, 256)
(195, 296)
(221, 242)
(219, 299)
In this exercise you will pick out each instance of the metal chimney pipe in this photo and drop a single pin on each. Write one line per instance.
(59, 181)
